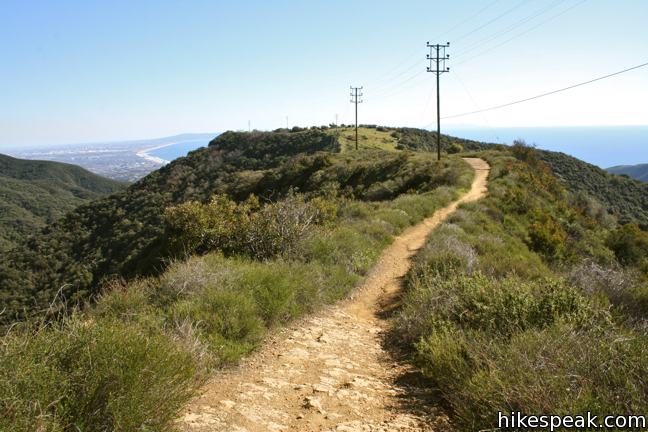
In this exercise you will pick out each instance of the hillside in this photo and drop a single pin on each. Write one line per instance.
(36, 193)
(227, 267)
(528, 298)
(624, 198)
(126, 234)
(637, 172)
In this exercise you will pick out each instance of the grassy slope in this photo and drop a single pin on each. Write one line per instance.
(367, 138)
(121, 234)
(390, 139)
(125, 234)
(35, 193)
(515, 302)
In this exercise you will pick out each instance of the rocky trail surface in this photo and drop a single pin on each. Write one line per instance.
(330, 371)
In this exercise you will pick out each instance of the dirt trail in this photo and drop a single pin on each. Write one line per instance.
(330, 372)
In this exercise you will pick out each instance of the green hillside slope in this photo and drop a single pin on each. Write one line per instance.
(625, 198)
(126, 234)
(35, 193)
(637, 172)
(236, 267)
(392, 138)
(530, 300)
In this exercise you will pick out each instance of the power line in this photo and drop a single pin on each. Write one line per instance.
(427, 104)
(548, 93)
(384, 81)
(396, 88)
(473, 16)
(387, 89)
(510, 28)
(381, 79)
(503, 14)
(384, 85)
(396, 72)
(551, 18)
(455, 75)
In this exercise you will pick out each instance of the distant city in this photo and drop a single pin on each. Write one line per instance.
(126, 160)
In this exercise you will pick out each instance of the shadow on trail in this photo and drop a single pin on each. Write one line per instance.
(417, 394)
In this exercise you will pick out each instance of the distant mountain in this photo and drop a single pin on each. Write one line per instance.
(637, 172)
(36, 193)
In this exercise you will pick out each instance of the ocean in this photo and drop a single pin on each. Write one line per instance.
(179, 149)
(604, 146)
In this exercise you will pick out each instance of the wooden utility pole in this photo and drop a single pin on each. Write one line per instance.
(355, 100)
(439, 57)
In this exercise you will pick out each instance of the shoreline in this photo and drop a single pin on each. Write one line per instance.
(143, 153)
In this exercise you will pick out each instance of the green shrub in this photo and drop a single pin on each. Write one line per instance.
(93, 376)
(246, 228)
(524, 152)
(630, 245)
(281, 291)
(516, 303)
(345, 246)
(497, 307)
(560, 369)
(228, 320)
(220, 224)
(471, 240)
(548, 238)
(454, 148)
(126, 302)
(397, 218)
(278, 228)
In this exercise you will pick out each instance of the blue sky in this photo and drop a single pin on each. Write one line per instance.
(80, 71)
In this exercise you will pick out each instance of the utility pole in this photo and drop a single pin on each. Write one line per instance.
(439, 57)
(249, 126)
(355, 100)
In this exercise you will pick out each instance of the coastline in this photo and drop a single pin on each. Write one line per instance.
(143, 153)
